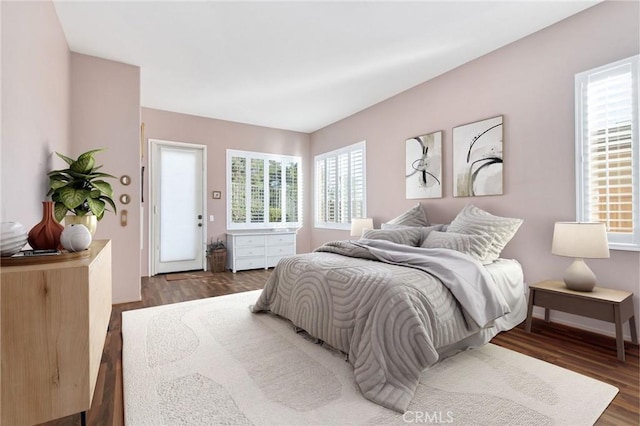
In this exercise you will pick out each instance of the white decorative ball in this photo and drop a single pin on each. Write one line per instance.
(13, 238)
(75, 237)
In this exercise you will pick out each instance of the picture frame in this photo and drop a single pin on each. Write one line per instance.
(478, 158)
(216, 195)
(423, 166)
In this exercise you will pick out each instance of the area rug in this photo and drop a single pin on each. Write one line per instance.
(212, 361)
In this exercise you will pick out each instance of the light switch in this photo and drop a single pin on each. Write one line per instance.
(210, 218)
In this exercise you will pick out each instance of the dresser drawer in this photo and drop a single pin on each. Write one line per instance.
(250, 240)
(250, 251)
(284, 250)
(250, 263)
(273, 240)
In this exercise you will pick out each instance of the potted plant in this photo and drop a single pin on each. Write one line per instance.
(217, 255)
(81, 190)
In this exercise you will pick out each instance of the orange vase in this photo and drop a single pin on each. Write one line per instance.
(46, 234)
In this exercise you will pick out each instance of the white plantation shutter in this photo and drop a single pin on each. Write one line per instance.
(344, 190)
(263, 190)
(277, 204)
(331, 190)
(292, 199)
(321, 195)
(257, 191)
(357, 184)
(340, 186)
(238, 176)
(608, 151)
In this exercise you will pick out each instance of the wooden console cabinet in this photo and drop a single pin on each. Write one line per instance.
(54, 323)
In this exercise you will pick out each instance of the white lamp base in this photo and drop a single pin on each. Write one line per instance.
(579, 277)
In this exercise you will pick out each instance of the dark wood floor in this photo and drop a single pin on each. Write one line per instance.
(586, 353)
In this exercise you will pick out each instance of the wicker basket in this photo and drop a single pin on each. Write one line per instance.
(218, 260)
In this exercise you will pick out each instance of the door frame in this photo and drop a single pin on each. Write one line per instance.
(153, 195)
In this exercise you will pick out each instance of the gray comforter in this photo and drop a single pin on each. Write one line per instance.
(388, 306)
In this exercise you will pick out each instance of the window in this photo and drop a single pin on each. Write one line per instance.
(340, 187)
(263, 190)
(608, 151)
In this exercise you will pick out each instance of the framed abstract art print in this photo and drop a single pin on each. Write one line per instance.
(423, 170)
(478, 158)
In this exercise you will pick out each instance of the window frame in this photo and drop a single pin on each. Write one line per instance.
(358, 146)
(266, 157)
(617, 241)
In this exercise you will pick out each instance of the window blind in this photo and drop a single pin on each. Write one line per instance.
(340, 186)
(292, 199)
(608, 149)
(264, 190)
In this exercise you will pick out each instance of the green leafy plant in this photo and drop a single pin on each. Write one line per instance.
(213, 246)
(80, 188)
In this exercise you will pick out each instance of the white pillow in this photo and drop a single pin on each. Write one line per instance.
(474, 221)
(415, 216)
(476, 246)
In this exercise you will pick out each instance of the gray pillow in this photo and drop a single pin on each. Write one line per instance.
(409, 237)
(476, 246)
(474, 221)
(425, 229)
(415, 216)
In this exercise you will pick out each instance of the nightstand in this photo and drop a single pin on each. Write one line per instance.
(604, 304)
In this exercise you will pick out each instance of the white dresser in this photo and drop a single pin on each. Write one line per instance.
(256, 249)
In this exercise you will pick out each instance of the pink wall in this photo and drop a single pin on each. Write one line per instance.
(530, 83)
(105, 111)
(35, 106)
(53, 100)
(218, 136)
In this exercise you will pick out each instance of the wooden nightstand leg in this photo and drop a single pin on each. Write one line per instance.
(632, 328)
(619, 335)
(546, 314)
(529, 311)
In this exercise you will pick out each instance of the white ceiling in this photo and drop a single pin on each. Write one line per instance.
(294, 65)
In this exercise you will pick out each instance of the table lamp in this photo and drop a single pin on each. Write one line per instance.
(359, 225)
(580, 240)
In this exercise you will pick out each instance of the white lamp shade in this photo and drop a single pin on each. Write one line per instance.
(359, 225)
(582, 240)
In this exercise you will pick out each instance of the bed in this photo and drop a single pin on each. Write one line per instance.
(399, 300)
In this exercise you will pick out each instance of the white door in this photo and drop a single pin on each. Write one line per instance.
(178, 176)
